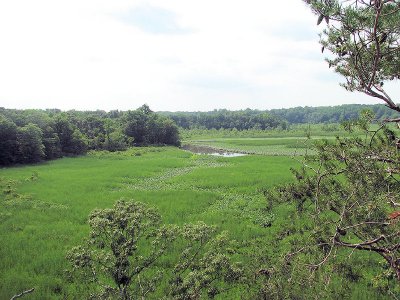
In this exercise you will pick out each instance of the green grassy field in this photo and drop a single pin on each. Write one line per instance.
(48, 213)
(298, 131)
(264, 146)
(293, 142)
(37, 230)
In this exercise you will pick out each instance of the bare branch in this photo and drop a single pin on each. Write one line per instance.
(22, 294)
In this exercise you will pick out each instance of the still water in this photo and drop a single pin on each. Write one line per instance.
(210, 151)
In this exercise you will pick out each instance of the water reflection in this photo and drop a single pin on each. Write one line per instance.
(226, 154)
(210, 151)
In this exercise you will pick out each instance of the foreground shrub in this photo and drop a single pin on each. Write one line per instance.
(122, 258)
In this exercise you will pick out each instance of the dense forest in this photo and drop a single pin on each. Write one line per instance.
(275, 118)
(28, 136)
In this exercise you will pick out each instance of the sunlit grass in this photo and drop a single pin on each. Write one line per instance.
(263, 146)
(37, 231)
(50, 217)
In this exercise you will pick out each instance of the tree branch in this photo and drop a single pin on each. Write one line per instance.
(22, 294)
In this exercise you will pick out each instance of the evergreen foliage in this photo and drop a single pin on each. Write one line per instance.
(363, 40)
(348, 191)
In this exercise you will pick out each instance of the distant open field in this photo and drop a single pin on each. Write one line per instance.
(296, 141)
(263, 146)
(48, 213)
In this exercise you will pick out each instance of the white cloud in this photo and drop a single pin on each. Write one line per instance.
(171, 54)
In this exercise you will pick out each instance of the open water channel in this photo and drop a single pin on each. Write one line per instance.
(199, 149)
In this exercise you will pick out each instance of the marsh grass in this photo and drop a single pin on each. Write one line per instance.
(293, 142)
(262, 146)
(48, 216)
(44, 208)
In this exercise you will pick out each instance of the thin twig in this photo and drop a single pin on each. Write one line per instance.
(22, 294)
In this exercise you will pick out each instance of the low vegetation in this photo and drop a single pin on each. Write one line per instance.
(45, 211)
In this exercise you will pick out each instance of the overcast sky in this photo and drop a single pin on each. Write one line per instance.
(184, 55)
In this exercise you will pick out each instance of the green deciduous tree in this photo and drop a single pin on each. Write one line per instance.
(51, 143)
(30, 144)
(124, 243)
(120, 260)
(146, 127)
(169, 132)
(8, 141)
(136, 124)
(116, 141)
(72, 141)
(205, 267)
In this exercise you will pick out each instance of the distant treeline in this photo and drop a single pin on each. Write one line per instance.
(275, 118)
(28, 136)
(330, 114)
(225, 119)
